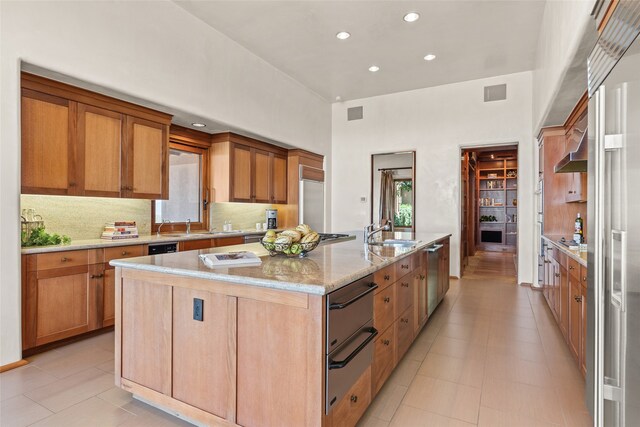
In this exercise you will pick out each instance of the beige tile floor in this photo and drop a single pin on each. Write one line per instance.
(491, 355)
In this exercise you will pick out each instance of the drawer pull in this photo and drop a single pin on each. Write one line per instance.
(387, 299)
(578, 298)
(340, 305)
(125, 253)
(571, 267)
(386, 342)
(404, 285)
(354, 398)
(97, 276)
(557, 274)
(584, 279)
(402, 320)
(422, 277)
(64, 259)
(339, 364)
(405, 266)
(387, 277)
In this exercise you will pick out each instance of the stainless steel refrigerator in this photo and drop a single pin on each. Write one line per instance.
(311, 208)
(613, 296)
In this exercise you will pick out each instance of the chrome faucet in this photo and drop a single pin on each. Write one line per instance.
(369, 230)
(188, 225)
(164, 221)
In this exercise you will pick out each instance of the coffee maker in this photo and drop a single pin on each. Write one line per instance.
(272, 219)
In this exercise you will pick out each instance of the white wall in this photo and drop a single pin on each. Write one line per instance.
(562, 29)
(152, 50)
(435, 122)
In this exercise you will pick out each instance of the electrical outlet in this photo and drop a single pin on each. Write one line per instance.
(363, 199)
(198, 307)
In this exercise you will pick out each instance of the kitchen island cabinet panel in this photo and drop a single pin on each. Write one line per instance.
(404, 293)
(99, 156)
(404, 333)
(354, 403)
(108, 297)
(203, 352)
(384, 277)
(383, 359)
(146, 334)
(48, 140)
(384, 311)
(280, 363)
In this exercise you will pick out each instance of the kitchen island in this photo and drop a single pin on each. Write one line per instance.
(251, 345)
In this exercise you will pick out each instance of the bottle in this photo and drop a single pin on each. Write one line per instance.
(577, 232)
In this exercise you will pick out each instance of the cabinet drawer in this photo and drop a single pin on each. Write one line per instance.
(574, 269)
(354, 403)
(404, 266)
(192, 245)
(228, 241)
(383, 359)
(384, 308)
(123, 252)
(404, 293)
(384, 277)
(404, 332)
(62, 259)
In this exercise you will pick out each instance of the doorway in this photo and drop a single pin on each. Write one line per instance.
(393, 189)
(488, 202)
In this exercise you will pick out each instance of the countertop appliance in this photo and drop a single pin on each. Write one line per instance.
(433, 276)
(162, 248)
(350, 335)
(272, 219)
(311, 202)
(613, 294)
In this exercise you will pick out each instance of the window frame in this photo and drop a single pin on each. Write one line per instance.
(182, 226)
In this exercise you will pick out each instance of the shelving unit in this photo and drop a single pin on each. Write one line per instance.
(497, 195)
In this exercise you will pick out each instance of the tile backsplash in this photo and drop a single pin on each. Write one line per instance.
(243, 216)
(84, 217)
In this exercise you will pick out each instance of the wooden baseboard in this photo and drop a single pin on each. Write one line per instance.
(10, 366)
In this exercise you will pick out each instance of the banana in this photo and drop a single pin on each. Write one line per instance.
(310, 238)
(304, 229)
(283, 240)
(295, 235)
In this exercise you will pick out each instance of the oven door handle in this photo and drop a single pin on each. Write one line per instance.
(341, 305)
(342, 363)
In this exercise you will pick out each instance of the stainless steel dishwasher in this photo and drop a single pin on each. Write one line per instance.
(433, 276)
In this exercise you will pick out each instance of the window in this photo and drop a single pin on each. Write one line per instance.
(187, 190)
(403, 203)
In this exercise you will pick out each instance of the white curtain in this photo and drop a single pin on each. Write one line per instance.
(387, 200)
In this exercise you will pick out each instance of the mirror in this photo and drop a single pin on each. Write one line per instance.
(393, 189)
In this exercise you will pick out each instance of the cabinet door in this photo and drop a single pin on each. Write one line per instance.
(420, 298)
(383, 358)
(563, 308)
(99, 154)
(384, 303)
(447, 268)
(66, 303)
(202, 375)
(192, 245)
(48, 161)
(404, 293)
(147, 157)
(241, 174)
(353, 405)
(575, 320)
(576, 187)
(279, 179)
(404, 333)
(109, 297)
(261, 176)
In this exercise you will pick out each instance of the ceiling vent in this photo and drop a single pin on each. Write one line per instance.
(354, 113)
(495, 93)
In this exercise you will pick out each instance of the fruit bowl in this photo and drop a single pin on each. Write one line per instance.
(285, 248)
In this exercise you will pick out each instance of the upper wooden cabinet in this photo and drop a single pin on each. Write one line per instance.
(247, 170)
(80, 143)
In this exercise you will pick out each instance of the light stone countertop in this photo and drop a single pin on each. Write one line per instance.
(142, 240)
(581, 257)
(325, 269)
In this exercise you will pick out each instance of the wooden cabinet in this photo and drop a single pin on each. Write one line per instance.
(60, 296)
(563, 307)
(575, 321)
(404, 332)
(384, 303)
(576, 127)
(353, 405)
(109, 279)
(404, 293)
(383, 358)
(420, 288)
(385, 276)
(193, 245)
(583, 338)
(247, 170)
(48, 140)
(76, 142)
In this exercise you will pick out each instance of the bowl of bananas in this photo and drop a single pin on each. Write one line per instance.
(297, 241)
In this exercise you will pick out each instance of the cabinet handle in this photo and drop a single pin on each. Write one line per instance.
(578, 298)
(387, 299)
(385, 342)
(97, 276)
(571, 192)
(546, 261)
(405, 266)
(404, 285)
(125, 253)
(354, 398)
(72, 184)
(387, 277)
(65, 259)
(571, 267)
(404, 320)
(584, 279)
(557, 274)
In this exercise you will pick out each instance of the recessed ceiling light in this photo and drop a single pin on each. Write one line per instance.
(430, 57)
(198, 125)
(374, 68)
(411, 17)
(343, 35)
(338, 98)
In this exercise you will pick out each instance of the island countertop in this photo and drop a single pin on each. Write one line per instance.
(323, 270)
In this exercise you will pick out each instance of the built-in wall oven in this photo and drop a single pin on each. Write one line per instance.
(350, 335)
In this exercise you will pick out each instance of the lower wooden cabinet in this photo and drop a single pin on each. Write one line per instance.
(383, 359)
(192, 245)
(564, 298)
(384, 303)
(404, 332)
(354, 403)
(575, 321)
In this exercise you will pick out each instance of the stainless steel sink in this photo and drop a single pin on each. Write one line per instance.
(183, 234)
(402, 243)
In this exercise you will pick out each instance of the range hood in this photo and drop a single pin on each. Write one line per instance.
(576, 161)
